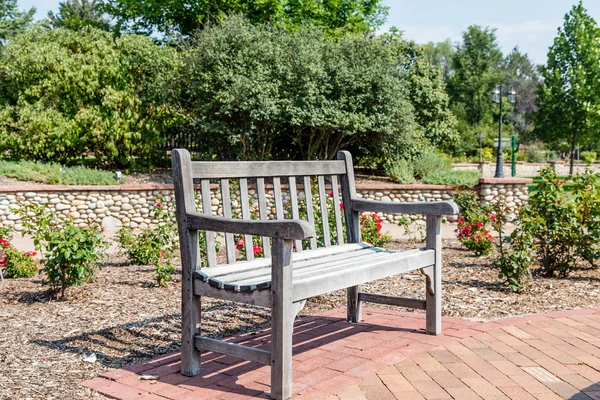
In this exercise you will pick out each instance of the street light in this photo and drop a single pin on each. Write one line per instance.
(497, 95)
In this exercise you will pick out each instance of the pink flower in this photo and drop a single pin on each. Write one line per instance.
(257, 250)
(341, 205)
(331, 193)
(158, 204)
(240, 244)
(492, 218)
(479, 224)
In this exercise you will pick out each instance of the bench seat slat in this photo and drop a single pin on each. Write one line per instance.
(314, 276)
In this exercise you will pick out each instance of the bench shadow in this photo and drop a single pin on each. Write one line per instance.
(225, 373)
(593, 391)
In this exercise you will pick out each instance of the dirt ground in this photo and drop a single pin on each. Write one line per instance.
(47, 347)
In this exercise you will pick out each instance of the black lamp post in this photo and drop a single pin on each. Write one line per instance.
(497, 95)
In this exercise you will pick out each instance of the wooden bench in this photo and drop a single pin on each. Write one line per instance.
(289, 274)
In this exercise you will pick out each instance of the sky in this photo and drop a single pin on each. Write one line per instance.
(529, 24)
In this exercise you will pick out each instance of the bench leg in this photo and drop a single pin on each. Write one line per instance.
(190, 308)
(433, 298)
(354, 306)
(283, 313)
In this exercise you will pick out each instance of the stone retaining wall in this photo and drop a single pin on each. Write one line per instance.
(527, 169)
(131, 205)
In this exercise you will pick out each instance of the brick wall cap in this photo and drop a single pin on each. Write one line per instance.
(505, 181)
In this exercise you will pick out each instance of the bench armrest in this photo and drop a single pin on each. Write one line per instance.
(288, 229)
(425, 208)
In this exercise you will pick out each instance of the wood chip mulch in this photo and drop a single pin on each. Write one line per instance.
(47, 347)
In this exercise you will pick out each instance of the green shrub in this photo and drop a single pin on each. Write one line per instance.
(54, 173)
(520, 156)
(154, 246)
(460, 178)
(473, 223)
(67, 93)
(487, 154)
(71, 252)
(429, 162)
(370, 230)
(536, 153)
(400, 170)
(588, 157)
(18, 264)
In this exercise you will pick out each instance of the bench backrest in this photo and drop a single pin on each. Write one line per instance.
(240, 179)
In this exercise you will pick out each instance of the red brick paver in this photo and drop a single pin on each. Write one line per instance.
(388, 356)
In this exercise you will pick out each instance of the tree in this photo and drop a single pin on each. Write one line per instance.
(76, 14)
(440, 54)
(568, 99)
(522, 76)
(184, 17)
(477, 67)
(12, 20)
(261, 91)
(68, 93)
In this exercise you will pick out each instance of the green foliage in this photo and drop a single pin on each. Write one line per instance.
(487, 154)
(477, 62)
(54, 173)
(588, 157)
(17, 264)
(473, 223)
(13, 21)
(370, 231)
(77, 14)
(71, 252)
(568, 113)
(401, 171)
(67, 93)
(415, 232)
(153, 246)
(514, 251)
(536, 153)
(6, 232)
(260, 92)
(428, 162)
(180, 17)
(459, 178)
(440, 55)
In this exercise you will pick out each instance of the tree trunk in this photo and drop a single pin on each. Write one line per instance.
(571, 165)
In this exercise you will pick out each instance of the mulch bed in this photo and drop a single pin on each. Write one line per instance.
(121, 318)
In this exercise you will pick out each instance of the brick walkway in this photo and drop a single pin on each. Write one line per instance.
(546, 356)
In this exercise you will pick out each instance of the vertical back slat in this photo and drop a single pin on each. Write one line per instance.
(294, 201)
(211, 253)
(278, 197)
(324, 214)
(309, 209)
(337, 210)
(246, 215)
(262, 208)
(226, 197)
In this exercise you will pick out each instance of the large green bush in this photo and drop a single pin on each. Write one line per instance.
(65, 93)
(259, 92)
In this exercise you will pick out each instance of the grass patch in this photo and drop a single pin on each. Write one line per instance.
(52, 173)
(460, 178)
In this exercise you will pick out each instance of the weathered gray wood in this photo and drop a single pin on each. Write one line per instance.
(295, 211)
(321, 253)
(337, 210)
(278, 197)
(359, 274)
(245, 200)
(258, 298)
(262, 209)
(354, 309)
(282, 320)
(188, 243)
(211, 254)
(233, 350)
(226, 198)
(324, 214)
(261, 169)
(286, 229)
(392, 300)
(433, 300)
(424, 208)
(304, 267)
(309, 209)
